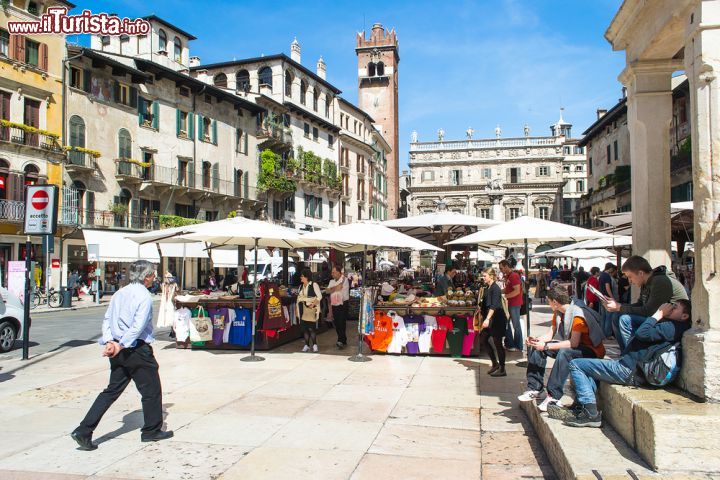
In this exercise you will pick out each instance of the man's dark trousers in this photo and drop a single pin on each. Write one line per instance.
(139, 365)
(560, 371)
(340, 313)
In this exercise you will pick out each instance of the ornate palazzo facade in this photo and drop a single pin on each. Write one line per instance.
(500, 178)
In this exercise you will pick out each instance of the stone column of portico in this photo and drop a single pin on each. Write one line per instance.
(497, 212)
(649, 114)
(701, 346)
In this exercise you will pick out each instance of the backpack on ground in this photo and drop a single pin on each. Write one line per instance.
(663, 366)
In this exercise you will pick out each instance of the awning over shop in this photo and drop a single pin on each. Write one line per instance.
(109, 246)
(184, 250)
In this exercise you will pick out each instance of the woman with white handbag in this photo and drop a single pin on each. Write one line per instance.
(307, 309)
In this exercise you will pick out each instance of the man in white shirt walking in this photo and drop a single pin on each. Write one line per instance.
(127, 334)
(339, 290)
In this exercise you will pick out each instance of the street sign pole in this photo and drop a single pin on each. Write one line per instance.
(41, 203)
(26, 303)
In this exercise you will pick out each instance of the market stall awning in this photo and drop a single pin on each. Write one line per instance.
(224, 258)
(184, 250)
(110, 246)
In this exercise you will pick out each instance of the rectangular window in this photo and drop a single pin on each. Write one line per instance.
(327, 107)
(32, 52)
(331, 210)
(290, 203)
(544, 213)
(455, 177)
(608, 154)
(578, 168)
(566, 169)
(544, 171)
(580, 186)
(485, 213)
(123, 94)
(76, 78)
(4, 43)
(307, 130)
(182, 172)
(428, 175)
(513, 175)
(182, 126)
(331, 141)
(486, 172)
(239, 140)
(590, 166)
(615, 147)
(186, 211)
(315, 134)
(513, 213)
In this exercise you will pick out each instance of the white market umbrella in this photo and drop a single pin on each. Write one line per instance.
(479, 255)
(624, 218)
(613, 242)
(361, 237)
(529, 230)
(576, 254)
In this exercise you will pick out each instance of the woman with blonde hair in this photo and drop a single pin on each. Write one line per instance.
(494, 322)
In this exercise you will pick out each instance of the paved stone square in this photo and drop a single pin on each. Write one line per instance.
(295, 415)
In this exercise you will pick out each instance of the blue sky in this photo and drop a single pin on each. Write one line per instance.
(462, 63)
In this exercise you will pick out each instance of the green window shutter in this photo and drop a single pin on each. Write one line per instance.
(156, 115)
(216, 176)
(141, 109)
(191, 126)
(214, 132)
(87, 80)
(178, 114)
(245, 145)
(133, 97)
(201, 127)
(191, 174)
(246, 186)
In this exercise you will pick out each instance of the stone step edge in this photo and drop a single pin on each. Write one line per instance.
(565, 456)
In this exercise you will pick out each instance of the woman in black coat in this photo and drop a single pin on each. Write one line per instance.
(494, 322)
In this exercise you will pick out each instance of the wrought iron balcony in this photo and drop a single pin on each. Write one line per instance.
(12, 211)
(78, 161)
(108, 219)
(21, 136)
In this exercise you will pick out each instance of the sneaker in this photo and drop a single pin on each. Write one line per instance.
(500, 372)
(543, 407)
(529, 395)
(315, 349)
(512, 349)
(340, 345)
(306, 348)
(558, 412)
(583, 419)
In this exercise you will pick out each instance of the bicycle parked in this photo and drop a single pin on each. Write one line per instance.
(39, 297)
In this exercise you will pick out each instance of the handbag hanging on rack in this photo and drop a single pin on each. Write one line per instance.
(201, 327)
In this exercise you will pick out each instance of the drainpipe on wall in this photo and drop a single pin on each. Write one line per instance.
(63, 98)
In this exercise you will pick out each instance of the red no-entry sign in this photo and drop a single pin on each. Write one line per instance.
(40, 200)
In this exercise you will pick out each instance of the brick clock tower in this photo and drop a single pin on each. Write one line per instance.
(378, 59)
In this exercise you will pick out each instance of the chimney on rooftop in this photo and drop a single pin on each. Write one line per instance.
(194, 61)
(321, 68)
(601, 113)
(295, 51)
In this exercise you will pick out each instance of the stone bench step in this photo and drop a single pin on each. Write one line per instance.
(670, 431)
(586, 453)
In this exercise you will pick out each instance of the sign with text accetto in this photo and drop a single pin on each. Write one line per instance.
(41, 202)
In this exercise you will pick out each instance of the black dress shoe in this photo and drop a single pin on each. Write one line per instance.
(156, 436)
(84, 442)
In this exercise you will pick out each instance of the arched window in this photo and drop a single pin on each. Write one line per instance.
(380, 69)
(85, 201)
(288, 83)
(242, 81)
(265, 76)
(303, 91)
(125, 196)
(220, 80)
(31, 173)
(316, 97)
(124, 144)
(371, 69)
(77, 139)
(162, 44)
(206, 174)
(177, 50)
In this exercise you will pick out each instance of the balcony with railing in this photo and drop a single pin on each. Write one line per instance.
(345, 219)
(108, 219)
(207, 182)
(29, 137)
(274, 135)
(129, 171)
(81, 161)
(313, 180)
(346, 193)
(12, 211)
